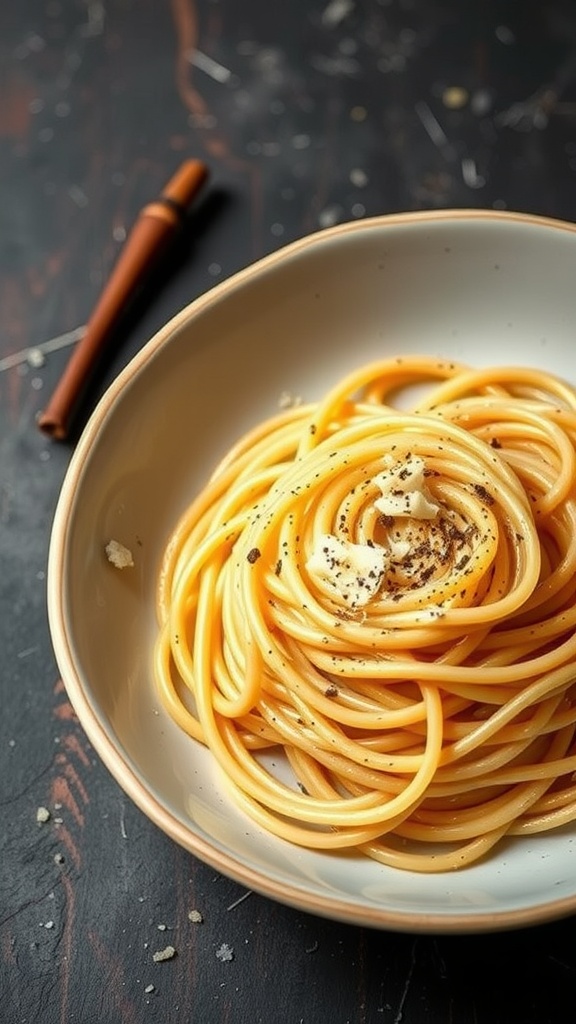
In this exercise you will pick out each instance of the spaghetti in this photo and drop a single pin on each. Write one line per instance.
(387, 597)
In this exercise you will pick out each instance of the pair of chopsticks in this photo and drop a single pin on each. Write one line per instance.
(148, 240)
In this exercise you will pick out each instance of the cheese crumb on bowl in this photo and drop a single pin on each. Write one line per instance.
(119, 555)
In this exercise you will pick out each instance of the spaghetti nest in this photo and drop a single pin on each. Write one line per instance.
(415, 661)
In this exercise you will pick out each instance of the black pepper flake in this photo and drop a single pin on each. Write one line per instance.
(253, 555)
(331, 691)
(278, 568)
(483, 494)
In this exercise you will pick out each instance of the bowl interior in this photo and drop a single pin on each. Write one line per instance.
(481, 288)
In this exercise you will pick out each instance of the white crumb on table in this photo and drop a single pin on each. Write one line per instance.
(163, 954)
(225, 953)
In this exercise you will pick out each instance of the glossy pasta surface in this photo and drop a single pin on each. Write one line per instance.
(382, 595)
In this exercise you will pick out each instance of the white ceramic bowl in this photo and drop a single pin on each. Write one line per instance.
(475, 286)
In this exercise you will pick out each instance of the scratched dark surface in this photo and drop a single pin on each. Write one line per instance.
(309, 113)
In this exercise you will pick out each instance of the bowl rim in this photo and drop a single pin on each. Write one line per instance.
(118, 764)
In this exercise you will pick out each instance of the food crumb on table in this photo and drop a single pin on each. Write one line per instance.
(225, 953)
(163, 954)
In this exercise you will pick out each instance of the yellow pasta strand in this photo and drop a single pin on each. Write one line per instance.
(420, 711)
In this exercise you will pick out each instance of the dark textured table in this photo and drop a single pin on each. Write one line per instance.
(309, 112)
